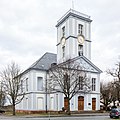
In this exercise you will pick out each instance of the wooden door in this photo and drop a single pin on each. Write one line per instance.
(80, 103)
(66, 103)
(93, 103)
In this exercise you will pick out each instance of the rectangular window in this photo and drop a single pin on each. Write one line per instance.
(65, 85)
(80, 29)
(80, 83)
(93, 84)
(39, 83)
(26, 84)
(63, 51)
(66, 81)
(80, 50)
(22, 85)
(63, 31)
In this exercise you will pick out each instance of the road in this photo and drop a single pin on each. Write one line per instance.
(58, 118)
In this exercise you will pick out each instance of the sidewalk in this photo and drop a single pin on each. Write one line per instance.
(56, 115)
(63, 115)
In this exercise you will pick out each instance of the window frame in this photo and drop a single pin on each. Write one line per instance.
(63, 31)
(26, 84)
(80, 29)
(80, 49)
(93, 84)
(63, 51)
(38, 88)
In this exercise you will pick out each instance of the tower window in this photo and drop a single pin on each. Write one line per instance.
(93, 84)
(63, 51)
(80, 29)
(80, 50)
(63, 31)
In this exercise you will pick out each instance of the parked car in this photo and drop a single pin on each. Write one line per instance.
(115, 113)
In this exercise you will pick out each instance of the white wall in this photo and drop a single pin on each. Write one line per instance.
(71, 29)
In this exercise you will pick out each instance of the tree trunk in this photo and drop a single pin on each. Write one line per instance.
(68, 111)
(105, 107)
(13, 107)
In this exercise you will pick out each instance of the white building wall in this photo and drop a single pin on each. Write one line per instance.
(56, 101)
(71, 33)
(36, 100)
(30, 100)
(98, 103)
(89, 100)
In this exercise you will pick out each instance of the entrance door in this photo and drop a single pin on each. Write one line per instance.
(93, 103)
(80, 103)
(66, 103)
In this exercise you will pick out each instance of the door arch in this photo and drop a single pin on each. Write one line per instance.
(80, 103)
(93, 103)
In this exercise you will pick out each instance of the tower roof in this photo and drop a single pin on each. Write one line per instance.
(75, 14)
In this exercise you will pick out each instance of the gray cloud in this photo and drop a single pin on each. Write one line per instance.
(27, 29)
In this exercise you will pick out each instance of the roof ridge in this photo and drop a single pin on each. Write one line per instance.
(35, 63)
(50, 53)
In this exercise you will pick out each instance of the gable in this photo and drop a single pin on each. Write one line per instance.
(87, 65)
(84, 63)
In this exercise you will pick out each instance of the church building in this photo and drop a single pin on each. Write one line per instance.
(73, 42)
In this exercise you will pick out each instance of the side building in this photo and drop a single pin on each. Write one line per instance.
(73, 42)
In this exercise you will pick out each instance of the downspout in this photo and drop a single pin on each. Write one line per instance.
(46, 91)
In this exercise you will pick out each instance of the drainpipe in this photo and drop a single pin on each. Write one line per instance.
(46, 91)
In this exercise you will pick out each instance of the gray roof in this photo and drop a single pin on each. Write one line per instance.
(44, 63)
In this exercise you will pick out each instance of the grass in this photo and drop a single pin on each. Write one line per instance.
(25, 114)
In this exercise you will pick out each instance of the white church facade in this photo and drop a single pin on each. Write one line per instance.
(73, 42)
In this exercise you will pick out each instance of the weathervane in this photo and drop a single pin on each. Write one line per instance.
(73, 4)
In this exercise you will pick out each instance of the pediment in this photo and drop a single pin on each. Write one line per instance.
(87, 65)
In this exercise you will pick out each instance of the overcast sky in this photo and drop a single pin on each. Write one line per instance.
(27, 29)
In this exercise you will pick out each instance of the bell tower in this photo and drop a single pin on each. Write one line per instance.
(73, 36)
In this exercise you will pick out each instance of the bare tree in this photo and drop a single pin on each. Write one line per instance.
(69, 78)
(12, 84)
(2, 96)
(107, 93)
(115, 73)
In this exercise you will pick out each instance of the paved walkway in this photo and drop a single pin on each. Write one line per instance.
(57, 115)
(72, 115)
